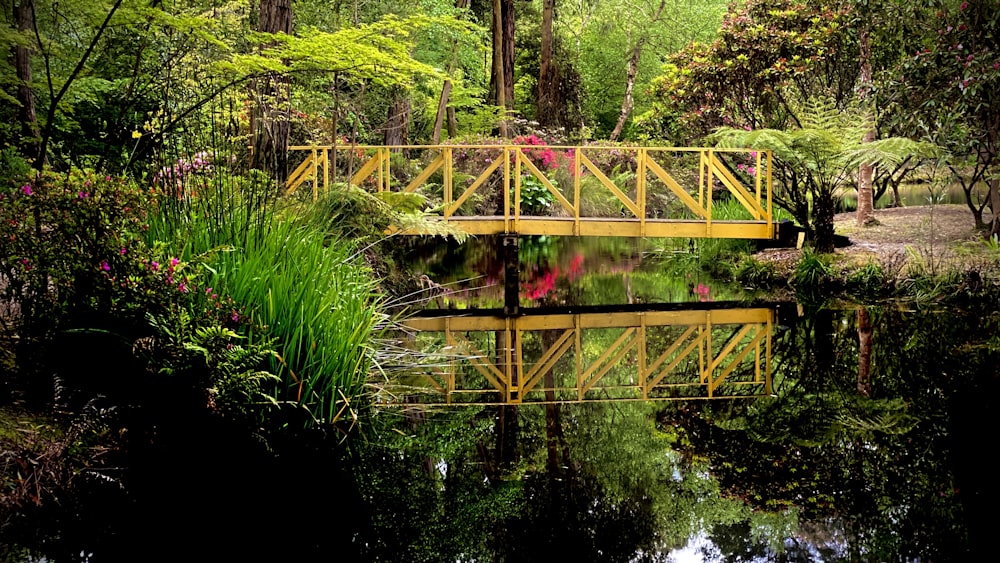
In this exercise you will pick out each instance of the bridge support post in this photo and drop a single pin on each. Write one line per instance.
(511, 266)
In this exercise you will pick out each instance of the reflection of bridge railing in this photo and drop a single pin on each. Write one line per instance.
(587, 191)
(623, 356)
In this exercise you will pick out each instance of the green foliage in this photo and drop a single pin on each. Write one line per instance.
(535, 197)
(71, 250)
(756, 273)
(818, 158)
(812, 272)
(213, 359)
(870, 280)
(300, 285)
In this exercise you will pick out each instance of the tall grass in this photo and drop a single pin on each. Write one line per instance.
(296, 282)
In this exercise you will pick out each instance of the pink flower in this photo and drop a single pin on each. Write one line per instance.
(105, 266)
(124, 251)
(26, 189)
(82, 195)
(183, 288)
(236, 316)
(174, 261)
(963, 6)
(154, 266)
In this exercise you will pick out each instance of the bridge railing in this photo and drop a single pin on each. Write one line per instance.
(619, 356)
(568, 190)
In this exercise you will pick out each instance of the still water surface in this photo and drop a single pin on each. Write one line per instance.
(778, 433)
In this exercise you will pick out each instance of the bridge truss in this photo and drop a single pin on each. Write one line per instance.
(563, 358)
(586, 190)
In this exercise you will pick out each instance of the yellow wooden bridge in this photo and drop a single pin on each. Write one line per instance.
(561, 190)
(596, 356)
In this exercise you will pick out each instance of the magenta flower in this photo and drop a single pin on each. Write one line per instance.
(174, 261)
(82, 195)
(105, 266)
(124, 251)
(154, 266)
(183, 288)
(26, 189)
(236, 316)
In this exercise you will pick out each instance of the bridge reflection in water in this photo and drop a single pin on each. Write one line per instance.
(595, 355)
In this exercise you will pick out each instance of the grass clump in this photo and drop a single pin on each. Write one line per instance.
(870, 280)
(757, 274)
(812, 273)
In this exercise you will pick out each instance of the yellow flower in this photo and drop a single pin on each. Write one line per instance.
(136, 134)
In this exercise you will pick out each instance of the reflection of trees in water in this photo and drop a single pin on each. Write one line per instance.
(855, 438)
(844, 462)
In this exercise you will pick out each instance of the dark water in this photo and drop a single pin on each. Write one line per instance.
(865, 434)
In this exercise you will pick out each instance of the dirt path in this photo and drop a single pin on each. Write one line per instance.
(937, 232)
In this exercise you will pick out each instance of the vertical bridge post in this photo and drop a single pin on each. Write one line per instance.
(509, 251)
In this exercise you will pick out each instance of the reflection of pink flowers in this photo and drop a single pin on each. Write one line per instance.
(542, 285)
(575, 267)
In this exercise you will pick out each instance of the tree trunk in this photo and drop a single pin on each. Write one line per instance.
(866, 203)
(498, 89)
(864, 352)
(823, 220)
(508, 52)
(397, 123)
(269, 122)
(627, 102)
(994, 185)
(24, 17)
(545, 112)
(441, 111)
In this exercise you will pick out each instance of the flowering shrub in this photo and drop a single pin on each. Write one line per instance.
(73, 260)
(66, 240)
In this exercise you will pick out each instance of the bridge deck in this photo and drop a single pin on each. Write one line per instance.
(613, 226)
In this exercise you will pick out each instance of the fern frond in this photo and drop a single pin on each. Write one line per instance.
(430, 225)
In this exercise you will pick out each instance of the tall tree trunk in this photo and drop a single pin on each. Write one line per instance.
(866, 203)
(24, 18)
(544, 110)
(498, 89)
(269, 122)
(627, 102)
(508, 52)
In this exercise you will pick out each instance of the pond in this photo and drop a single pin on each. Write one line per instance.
(635, 411)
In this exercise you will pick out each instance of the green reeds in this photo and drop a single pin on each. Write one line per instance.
(294, 282)
(316, 301)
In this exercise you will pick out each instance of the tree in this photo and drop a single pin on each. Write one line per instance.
(24, 18)
(270, 119)
(632, 66)
(945, 90)
(820, 156)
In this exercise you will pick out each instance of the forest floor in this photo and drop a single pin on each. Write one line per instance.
(925, 235)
